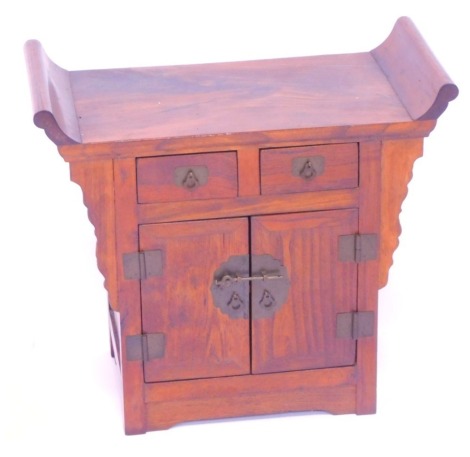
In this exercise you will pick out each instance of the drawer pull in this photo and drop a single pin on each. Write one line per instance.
(191, 177)
(308, 167)
(308, 171)
(190, 181)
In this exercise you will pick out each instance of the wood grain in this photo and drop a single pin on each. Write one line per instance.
(226, 98)
(329, 390)
(99, 106)
(52, 97)
(261, 140)
(246, 206)
(248, 171)
(302, 334)
(340, 169)
(156, 177)
(201, 341)
(96, 180)
(413, 71)
(398, 158)
(368, 274)
(129, 294)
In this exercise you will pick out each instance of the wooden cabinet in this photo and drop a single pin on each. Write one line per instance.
(246, 215)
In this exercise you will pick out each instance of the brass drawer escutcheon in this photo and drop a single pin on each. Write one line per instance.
(191, 177)
(308, 167)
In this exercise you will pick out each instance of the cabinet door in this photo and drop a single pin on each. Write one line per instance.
(201, 341)
(302, 333)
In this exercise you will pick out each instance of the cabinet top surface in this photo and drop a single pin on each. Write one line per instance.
(398, 82)
(227, 98)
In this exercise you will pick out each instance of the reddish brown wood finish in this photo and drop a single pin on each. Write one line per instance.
(302, 334)
(340, 169)
(261, 140)
(368, 272)
(97, 181)
(52, 97)
(248, 171)
(211, 99)
(201, 341)
(411, 67)
(156, 177)
(125, 131)
(170, 403)
(397, 158)
(248, 205)
(129, 294)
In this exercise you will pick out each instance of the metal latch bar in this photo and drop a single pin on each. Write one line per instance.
(226, 280)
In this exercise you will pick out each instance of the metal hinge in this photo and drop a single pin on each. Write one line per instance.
(142, 265)
(355, 325)
(358, 247)
(145, 347)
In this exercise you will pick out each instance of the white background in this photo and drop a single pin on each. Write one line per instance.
(59, 393)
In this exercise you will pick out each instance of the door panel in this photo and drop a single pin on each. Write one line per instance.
(302, 333)
(201, 341)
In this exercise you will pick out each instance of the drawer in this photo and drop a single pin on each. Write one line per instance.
(309, 168)
(187, 177)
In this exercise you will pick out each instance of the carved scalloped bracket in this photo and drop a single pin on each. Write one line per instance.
(398, 157)
(96, 181)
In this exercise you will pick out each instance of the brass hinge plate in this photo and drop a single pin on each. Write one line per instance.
(355, 325)
(358, 247)
(143, 265)
(145, 347)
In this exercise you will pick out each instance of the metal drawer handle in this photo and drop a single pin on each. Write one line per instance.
(190, 181)
(191, 177)
(308, 168)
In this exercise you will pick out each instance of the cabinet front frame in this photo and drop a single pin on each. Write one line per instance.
(140, 409)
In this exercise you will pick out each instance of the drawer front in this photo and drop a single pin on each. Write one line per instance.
(309, 168)
(187, 177)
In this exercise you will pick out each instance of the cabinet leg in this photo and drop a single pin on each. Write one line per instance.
(111, 347)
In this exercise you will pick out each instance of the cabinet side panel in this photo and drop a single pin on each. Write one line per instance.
(302, 333)
(201, 339)
(398, 158)
(97, 182)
